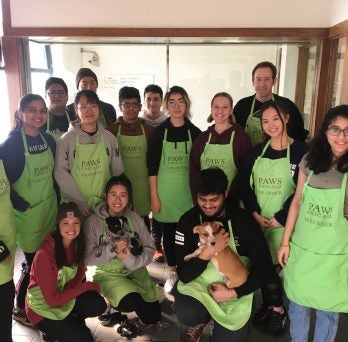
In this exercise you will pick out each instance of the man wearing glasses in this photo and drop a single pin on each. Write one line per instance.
(56, 96)
(132, 135)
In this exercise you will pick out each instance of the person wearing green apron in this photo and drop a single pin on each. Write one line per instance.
(87, 155)
(246, 111)
(267, 183)
(168, 165)
(86, 79)
(58, 119)
(59, 298)
(132, 135)
(223, 144)
(314, 247)
(201, 294)
(28, 157)
(119, 244)
(7, 257)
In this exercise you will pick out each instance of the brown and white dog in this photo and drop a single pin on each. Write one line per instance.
(226, 262)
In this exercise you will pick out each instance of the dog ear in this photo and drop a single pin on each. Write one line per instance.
(196, 230)
(219, 224)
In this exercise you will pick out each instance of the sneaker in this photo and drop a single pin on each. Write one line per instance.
(277, 323)
(158, 256)
(261, 317)
(193, 334)
(126, 330)
(170, 282)
(20, 316)
(111, 319)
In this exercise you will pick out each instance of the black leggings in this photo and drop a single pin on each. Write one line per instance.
(272, 292)
(168, 231)
(73, 328)
(7, 294)
(148, 312)
(23, 282)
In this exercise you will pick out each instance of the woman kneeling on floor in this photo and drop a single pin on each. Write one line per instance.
(58, 299)
(119, 244)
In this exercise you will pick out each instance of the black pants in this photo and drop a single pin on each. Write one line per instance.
(168, 231)
(148, 312)
(73, 328)
(7, 294)
(272, 292)
(191, 312)
(23, 282)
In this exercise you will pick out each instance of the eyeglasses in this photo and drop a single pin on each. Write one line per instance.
(56, 93)
(33, 110)
(128, 105)
(176, 102)
(336, 131)
(86, 107)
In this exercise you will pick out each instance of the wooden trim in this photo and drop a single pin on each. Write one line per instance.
(301, 77)
(339, 30)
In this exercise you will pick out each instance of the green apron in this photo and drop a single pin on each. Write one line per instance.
(91, 170)
(316, 274)
(173, 180)
(35, 185)
(7, 226)
(273, 185)
(220, 156)
(56, 134)
(38, 303)
(253, 126)
(116, 280)
(232, 314)
(133, 152)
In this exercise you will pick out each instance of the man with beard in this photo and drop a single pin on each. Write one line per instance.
(200, 294)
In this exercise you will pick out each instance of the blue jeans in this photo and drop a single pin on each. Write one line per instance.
(325, 325)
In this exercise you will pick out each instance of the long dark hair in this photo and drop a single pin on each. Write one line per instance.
(79, 242)
(320, 157)
(22, 106)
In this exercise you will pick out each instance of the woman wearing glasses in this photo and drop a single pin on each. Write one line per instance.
(87, 155)
(314, 247)
(168, 165)
(133, 134)
(28, 158)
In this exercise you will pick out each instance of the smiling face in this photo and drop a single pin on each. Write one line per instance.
(176, 106)
(221, 110)
(69, 228)
(117, 200)
(263, 83)
(88, 83)
(33, 116)
(273, 124)
(130, 109)
(87, 111)
(339, 142)
(212, 204)
(153, 103)
(56, 98)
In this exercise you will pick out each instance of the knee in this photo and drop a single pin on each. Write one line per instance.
(97, 305)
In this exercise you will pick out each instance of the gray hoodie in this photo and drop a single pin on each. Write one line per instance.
(65, 156)
(99, 254)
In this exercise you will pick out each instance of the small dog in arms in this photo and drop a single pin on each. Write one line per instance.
(226, 262)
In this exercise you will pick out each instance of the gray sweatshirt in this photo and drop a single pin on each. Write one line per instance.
(99, 254)
(65, 156)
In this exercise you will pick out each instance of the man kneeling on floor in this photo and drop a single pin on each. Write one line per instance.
(201, 294)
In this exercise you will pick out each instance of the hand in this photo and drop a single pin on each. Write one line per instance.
(121, 249)
(274, 223)
(283, 254)
(155, 203)
(262, 221)
(221, 293)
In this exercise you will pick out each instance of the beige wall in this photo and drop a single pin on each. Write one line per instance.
(179, 13)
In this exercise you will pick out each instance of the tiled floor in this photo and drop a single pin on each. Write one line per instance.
(171, 334)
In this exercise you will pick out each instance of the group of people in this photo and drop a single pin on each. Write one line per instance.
(78, 185)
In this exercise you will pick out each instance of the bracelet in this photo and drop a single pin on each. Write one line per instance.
(285, 245)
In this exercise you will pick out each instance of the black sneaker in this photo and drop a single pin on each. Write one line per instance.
(262, 316)
(277, 323)
(111, 319)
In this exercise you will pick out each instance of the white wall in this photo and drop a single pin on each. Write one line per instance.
(164, 13)
(339, 11)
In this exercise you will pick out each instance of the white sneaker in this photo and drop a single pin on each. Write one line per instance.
(169, 284)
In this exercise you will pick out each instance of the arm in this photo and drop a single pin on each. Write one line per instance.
(45, 271)
(195, 164)
(116, 164)
(62, 174)
(155, 200)
(283, 252)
